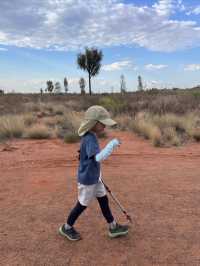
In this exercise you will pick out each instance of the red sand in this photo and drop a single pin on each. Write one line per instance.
(159, 187)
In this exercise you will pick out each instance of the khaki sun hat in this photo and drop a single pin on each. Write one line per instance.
(94, 114)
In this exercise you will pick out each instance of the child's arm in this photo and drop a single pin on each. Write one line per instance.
(103, 154)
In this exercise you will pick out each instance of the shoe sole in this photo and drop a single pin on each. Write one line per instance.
(117, 234)
(63, 234)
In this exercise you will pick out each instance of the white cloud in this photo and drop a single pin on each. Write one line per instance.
(192, 67)
(155, 67)
(118, 66)
(157, 84)
(164, 7)
(195, 11)
(168, 7)
(74, 24)
(3, 49)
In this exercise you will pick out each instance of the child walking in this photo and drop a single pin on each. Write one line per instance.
(90, 185)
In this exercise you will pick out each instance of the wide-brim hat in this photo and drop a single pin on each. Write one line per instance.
(94, 114)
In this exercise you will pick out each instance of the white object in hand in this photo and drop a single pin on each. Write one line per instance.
(103, 154)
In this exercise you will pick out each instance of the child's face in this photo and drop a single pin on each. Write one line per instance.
(98, 128)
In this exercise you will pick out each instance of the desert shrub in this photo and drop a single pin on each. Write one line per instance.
(170, 136)
(166, 130)
(169, 120)
(71, 137)
(59, 109)
(144, 128)
(49, 121)
(112, 104)
(156, 138)
(75, 119)
(123, 121)
(70, 122)
(37, 131)
(196, 94)
(196, 134)
(29, 119)
(53, 121)
(32, 107)
(102, 135)
(74, 104)
(164, 104)
(49, 107)
(11, 126)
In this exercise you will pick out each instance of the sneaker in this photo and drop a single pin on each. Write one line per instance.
(119, 230)
(71, 233)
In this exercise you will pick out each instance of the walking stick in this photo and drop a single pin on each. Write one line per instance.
(128, 217)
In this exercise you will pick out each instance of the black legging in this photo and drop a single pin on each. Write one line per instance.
(104, 205)
(78, 209)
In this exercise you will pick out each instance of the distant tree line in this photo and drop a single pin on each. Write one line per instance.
(90, 62)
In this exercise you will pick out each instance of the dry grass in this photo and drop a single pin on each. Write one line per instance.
(37, 131)
(74, 118)
(153, 101)
(29, 119)
(165, 117)
(11, 126)
(68, 123)
(147, 129)
(59, 109)
(46, 109)
(196, 134)
(168, 129)
(123, 121)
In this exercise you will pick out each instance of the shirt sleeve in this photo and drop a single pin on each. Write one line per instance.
(103, 154)
(92, 147)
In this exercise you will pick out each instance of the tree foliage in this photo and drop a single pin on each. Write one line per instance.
(90, 61)
(50, 86)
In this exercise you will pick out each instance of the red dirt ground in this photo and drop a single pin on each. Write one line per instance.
(159, 187)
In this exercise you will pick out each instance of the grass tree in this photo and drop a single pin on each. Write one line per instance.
(50, 86)
(90, 61)
(140, 85)
(57, 87)
(82, 85)
(122, 84)
(66, 85)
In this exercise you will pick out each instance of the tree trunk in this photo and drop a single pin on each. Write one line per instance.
(90, 91)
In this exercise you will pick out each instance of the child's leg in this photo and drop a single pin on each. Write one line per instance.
(67, 229)
(75, 213)
(115, 229)
(103, 202)
(104, 205)
(85, 195)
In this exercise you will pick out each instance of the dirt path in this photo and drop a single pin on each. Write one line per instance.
(160, 188)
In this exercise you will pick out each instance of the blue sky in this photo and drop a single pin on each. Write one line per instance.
(157, 39)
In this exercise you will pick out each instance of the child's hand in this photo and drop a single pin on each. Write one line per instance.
(120, 142)
(116, 142)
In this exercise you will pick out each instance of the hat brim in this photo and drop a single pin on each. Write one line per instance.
(108, 122)
(86, 126)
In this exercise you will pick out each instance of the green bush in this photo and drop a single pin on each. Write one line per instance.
(112, 104)
(196, 134)
(71, 137)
